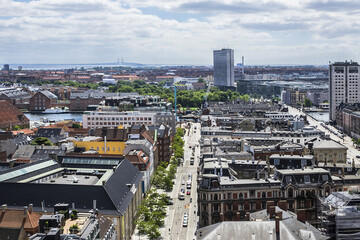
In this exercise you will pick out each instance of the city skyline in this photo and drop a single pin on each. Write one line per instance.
(311, 32)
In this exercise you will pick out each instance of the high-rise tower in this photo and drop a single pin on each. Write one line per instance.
(344, 85)
(224, 68)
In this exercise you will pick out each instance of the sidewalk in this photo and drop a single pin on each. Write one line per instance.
(168, 220)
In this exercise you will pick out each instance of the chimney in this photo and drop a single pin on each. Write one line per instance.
(277, 227)
(247, 216)
(31, 208)
(279, 215)
(283, 205)
(25, 212)
(301, 215)
(269, 204)
(3, 208)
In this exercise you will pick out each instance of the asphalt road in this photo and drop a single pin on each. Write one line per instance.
(174, 228)
(352, 151)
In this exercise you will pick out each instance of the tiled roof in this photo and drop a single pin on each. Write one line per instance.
(26, 131)
(12, 218)
(10, 113)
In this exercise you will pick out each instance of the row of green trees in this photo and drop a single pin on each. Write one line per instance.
(185, 98)
(152, 210)
(151, 214)
(163, 177)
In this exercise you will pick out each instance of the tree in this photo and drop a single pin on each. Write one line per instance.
(307, 102)
(41, 141)
(76, 125)
(16, 128)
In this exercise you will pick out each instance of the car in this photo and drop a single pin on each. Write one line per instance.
(168, 202)
(182, 190)
(185, 223)
(181, 196)
(188, 192)
(182, 182)
(357, 156)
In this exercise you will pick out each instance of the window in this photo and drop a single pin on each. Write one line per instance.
(288, 179)
(290, 193)
(276, 161)
(215, 197)
(306, 178)
(274, 194)
(229, 207)
(325, 177)
(303, 162)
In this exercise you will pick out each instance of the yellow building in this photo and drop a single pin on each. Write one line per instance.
(330, 152)
(102, 147)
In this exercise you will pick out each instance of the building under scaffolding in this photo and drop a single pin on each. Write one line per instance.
(339, 215)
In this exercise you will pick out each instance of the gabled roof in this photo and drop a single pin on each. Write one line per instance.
(12, 218)
(10, 113)
(49, 94)
(48, 132)
(17, 94)
(112, 134)
(24, 152)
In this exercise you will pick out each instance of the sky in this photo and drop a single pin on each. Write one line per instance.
(265, 32)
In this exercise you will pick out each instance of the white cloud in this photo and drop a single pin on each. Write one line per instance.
(265, 31)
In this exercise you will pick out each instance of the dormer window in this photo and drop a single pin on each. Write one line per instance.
(325, 177)
(288, 179)
(307, 179)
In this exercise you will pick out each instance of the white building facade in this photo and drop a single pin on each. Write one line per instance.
(115, 119)
(344, 85)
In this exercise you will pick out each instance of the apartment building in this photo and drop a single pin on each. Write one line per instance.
(344, 85)
(115, 119)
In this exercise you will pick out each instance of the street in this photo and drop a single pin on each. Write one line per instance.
(352, 151)
(173, 228)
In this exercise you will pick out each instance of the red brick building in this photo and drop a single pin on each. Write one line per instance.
(11, 116)
(42, 100)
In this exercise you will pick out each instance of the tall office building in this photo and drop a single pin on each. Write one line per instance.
(6, 67)
(224, 68)
(344, 85)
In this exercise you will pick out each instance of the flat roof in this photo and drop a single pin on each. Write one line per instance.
(73, 180)
(303, 171)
